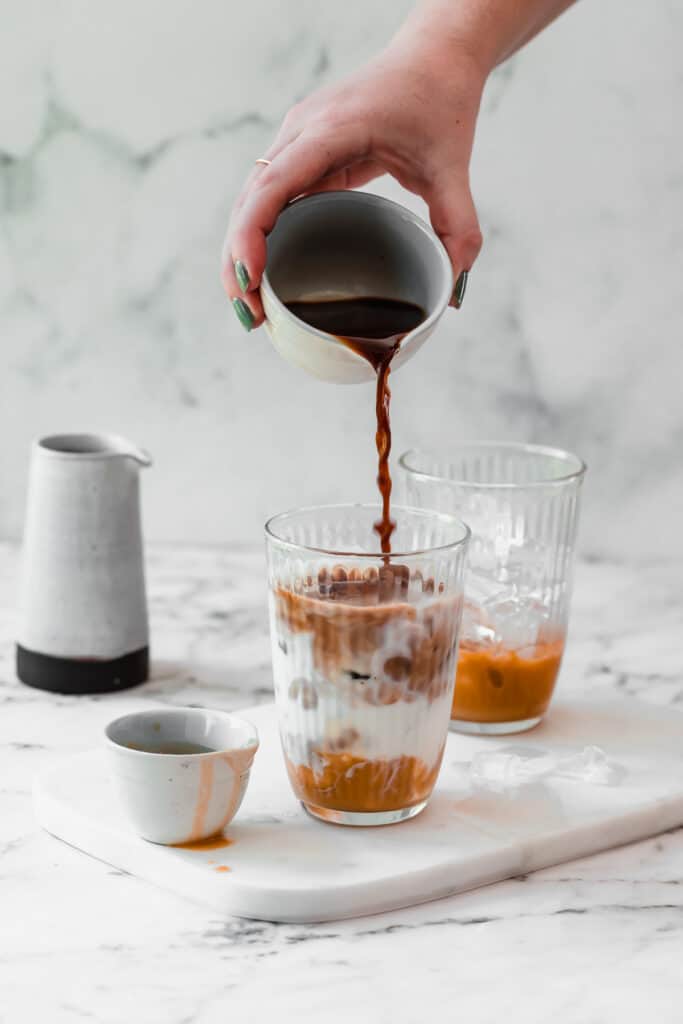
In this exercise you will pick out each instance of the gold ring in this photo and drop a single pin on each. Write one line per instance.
(262, 160)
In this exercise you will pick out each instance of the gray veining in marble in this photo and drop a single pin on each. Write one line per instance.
(597, 940)
(123, 139)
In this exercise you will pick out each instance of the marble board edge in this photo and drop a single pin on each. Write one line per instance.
(228, 895)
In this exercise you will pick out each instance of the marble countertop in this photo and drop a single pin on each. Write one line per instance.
(592, 941)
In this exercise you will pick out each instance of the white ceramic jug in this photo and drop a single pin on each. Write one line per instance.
(83, 618)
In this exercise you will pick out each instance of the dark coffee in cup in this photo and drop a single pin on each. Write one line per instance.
(374, 328)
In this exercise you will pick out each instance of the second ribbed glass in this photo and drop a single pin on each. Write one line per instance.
(521, 503)
(364, 653)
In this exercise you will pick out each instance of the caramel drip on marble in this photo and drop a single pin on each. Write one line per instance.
(217, 842)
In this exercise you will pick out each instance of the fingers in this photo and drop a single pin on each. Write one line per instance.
(237, 280)
(289, 131)
(295, 169)
(454, 218)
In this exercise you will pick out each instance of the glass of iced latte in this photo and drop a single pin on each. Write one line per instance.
(364, 653)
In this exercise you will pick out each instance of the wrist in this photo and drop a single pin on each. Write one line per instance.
(442, 66)
(450, 33)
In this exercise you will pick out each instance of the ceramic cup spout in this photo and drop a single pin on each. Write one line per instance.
(83, 613)
(92, 447)
(341, 245)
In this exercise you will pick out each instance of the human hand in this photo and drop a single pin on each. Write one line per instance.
(410, 113)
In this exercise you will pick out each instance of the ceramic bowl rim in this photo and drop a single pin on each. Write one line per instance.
(184, 713)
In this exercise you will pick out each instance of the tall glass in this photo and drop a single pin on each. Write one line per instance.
(364, 653)
(521, 503)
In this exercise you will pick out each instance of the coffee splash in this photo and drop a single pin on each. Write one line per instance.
(373, 328)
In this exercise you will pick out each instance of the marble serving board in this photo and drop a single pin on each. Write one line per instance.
(281, 865)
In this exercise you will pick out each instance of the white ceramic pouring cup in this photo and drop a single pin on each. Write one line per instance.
(180, 798)
(338, 245)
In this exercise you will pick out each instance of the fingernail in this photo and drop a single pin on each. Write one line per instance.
(459, 290)
(242, 275)
(244, 314)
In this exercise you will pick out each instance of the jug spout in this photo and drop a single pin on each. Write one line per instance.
(93, 446)
(132, 451)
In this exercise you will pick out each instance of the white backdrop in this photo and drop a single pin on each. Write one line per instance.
(125, 131)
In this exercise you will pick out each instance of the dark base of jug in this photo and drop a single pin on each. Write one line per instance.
(82, 675)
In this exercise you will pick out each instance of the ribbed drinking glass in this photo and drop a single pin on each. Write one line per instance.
(364, 653)
(521, 503)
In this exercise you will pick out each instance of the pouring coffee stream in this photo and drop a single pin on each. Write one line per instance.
(354, 285)
(373, 328)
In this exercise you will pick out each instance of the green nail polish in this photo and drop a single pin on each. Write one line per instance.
(244, 314)
(459, 290)
(242, 275)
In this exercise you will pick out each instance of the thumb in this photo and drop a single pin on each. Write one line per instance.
(454, 218)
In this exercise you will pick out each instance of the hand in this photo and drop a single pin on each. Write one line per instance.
(410, 113)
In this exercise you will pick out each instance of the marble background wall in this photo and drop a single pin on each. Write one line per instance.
(125, 131)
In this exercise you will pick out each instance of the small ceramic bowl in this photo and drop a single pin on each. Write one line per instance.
(336, 245)
(182, 797)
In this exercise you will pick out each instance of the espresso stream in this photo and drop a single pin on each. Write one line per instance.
(374, 328)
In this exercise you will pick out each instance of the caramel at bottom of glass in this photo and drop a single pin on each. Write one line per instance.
(346, 782)
(498, 686)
